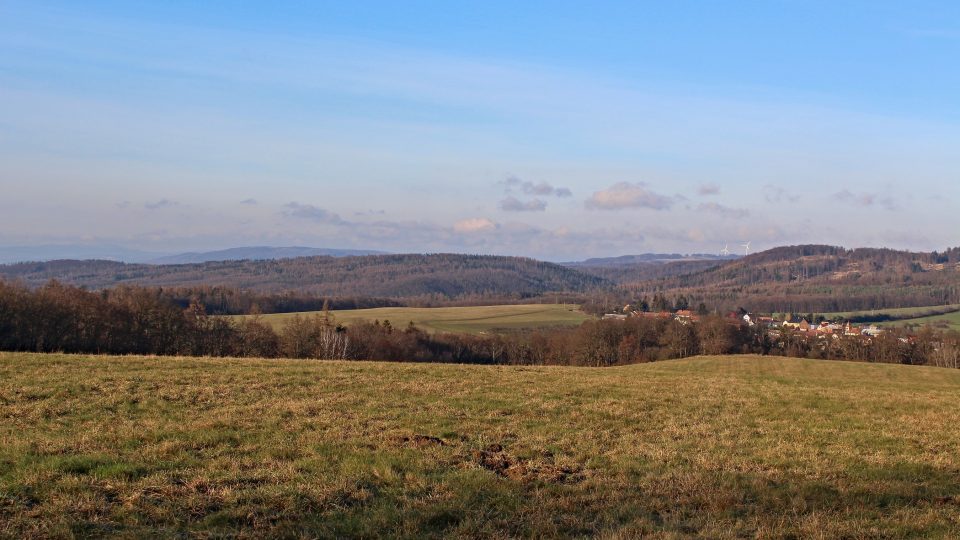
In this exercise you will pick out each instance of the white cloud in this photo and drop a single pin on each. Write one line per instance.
(626, 195)
(474, 225)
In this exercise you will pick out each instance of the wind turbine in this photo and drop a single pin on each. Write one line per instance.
(726, 250)
(746, 248)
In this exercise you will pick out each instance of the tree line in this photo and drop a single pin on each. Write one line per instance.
(131, 320)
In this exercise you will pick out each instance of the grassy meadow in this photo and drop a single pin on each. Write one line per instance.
(721, 447)
(943, 317)
(470, 320)
(946, 321)
(897, 312)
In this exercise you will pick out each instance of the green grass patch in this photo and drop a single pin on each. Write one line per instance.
(947, 321)
(910, 312)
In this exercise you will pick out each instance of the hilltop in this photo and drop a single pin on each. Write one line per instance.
(648, 258)
(255, 253)
(51, 252)
(106, 252)
(634, 268)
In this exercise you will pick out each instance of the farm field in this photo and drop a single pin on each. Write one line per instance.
(897, 312)
(471, 320)
(720, 447)
(945, 317)
(946, 321)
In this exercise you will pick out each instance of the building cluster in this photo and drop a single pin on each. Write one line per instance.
(683, 315)
(775, 327)
(825, 329)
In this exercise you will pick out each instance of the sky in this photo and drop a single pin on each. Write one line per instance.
(556, 130)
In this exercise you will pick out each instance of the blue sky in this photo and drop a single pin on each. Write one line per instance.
(559, 130)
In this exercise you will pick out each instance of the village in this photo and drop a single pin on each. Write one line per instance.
(776, 326)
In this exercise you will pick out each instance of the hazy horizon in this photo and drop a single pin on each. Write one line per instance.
(552, 131)
(49, 252)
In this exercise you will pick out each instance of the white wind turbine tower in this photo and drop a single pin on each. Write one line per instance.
(746, 248)
(726, 250)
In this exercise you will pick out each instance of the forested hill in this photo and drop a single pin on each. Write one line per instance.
(821, 278)
(632, 271)
(809, 278)
(422, 277)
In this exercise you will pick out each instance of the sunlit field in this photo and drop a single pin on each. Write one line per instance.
(947, 321)
(721, 447)
(471, 320)
(941, 317)
(896, 312)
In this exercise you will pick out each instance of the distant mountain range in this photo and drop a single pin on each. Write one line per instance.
(649, 258)
(259, 253)
(106, 252)
(54, 252)
(51, 252)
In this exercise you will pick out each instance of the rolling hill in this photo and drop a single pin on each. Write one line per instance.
(53, 252)
(634, 268)
(820, 278)
(648, 258)
(808, 278)
(437, 276)
(708, 447)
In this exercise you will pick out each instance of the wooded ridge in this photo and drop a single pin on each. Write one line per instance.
(415, 277)
(806, 278)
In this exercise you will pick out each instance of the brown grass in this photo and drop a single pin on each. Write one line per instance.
(719, 447)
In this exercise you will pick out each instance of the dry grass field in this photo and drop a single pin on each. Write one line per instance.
(470, 320)
(721, 447)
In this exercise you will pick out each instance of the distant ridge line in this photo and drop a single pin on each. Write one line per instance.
(260, 253)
